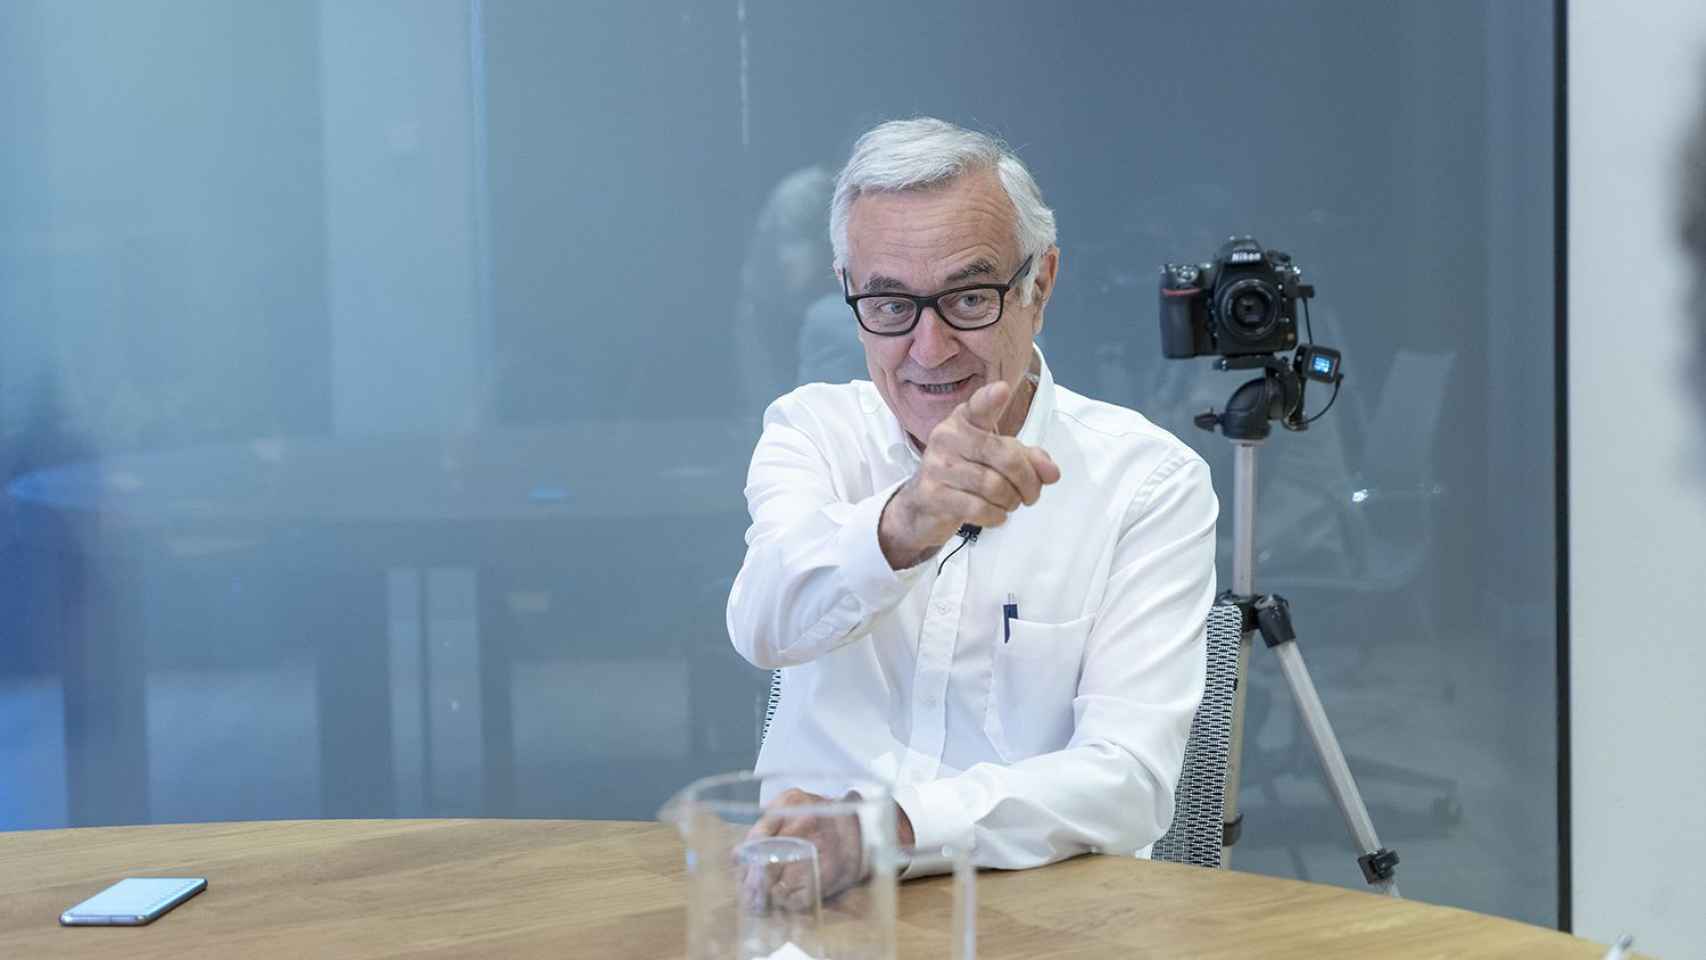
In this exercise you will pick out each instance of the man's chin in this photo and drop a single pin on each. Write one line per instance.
(920, 411)
(918, 424)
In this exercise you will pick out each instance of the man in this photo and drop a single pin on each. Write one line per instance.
(1028, 686)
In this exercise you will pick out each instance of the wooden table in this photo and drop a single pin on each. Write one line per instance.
(544, 888)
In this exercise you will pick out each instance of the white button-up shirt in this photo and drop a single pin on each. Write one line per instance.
(1026, 738)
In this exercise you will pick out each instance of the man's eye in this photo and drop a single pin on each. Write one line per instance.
(972, 302)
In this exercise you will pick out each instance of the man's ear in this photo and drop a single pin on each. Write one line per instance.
(1047, 271)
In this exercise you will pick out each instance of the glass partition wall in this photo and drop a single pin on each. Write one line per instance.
(377, 381)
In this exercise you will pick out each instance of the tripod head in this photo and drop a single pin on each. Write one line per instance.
(1276, 395)
(1242, 309)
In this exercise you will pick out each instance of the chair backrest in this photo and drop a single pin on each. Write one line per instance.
(770, 705)
(1199, 802)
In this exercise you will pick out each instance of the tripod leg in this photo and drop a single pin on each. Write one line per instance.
(1273, 618)
(1243, 573)
(1376, 861)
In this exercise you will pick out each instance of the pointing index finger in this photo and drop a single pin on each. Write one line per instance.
(986, 406)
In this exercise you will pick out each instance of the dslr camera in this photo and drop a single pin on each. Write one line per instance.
(1243, 304)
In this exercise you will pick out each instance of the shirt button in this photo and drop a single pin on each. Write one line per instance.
(941, 606)
(930, 701)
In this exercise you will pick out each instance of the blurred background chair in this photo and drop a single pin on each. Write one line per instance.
(1359, 548)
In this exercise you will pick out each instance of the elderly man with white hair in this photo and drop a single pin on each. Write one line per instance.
(981, 587)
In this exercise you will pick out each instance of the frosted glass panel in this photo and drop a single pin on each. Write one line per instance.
(377, 383)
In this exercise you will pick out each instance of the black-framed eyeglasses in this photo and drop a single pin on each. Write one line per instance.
(963, 308)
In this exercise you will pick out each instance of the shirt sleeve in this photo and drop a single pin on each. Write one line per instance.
(814, 573)
(1110, 789)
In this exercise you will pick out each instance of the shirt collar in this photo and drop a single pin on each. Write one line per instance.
(1034, 430)
(900, 449)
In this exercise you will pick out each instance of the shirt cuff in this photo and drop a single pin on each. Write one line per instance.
(864, 570)
(938, 820)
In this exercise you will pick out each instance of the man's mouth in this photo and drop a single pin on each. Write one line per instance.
(942, 389)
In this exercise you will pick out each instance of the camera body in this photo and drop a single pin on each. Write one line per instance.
(1244, 303)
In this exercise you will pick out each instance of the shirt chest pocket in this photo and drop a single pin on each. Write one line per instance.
(1035, 678)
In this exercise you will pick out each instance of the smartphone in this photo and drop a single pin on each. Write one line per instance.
(133, 901)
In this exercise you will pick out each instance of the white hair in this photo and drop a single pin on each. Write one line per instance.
(925, 152)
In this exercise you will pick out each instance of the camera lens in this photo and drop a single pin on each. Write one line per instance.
(1247, 310)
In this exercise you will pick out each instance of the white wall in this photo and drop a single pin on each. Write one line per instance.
(1637, 500)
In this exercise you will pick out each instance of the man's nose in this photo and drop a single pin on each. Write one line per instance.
(933, 341)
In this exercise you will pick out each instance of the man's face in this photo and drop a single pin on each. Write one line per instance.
(922, 241)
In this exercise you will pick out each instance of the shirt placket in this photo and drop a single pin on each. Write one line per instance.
(936, 642)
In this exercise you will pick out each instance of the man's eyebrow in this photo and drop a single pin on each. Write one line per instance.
(881, 284)
(980, 267)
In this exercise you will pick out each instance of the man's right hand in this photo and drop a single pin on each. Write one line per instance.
(970, 474)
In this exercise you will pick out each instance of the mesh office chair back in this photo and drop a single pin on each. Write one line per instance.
(1199, 801)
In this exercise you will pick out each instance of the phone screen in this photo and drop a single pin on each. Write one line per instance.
(133, 901)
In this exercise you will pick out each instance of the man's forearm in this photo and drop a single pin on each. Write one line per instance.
(897, 532)
(807, 587)
(1042, 809)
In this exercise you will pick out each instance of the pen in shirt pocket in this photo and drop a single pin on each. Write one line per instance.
(1009, 613)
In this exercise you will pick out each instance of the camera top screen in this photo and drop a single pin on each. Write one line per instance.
(1321, 365)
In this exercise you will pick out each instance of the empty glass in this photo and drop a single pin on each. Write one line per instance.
(781, 895)
(788, 867)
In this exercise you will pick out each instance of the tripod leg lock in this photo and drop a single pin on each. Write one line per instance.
(1378, 867)
(1246, 607)
(1273, 618)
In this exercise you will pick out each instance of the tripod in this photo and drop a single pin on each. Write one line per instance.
(1278, 395)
